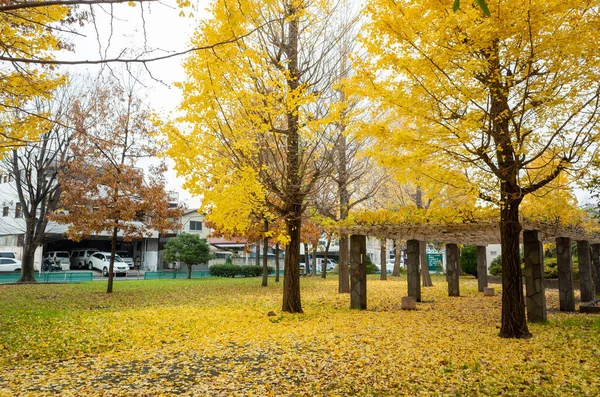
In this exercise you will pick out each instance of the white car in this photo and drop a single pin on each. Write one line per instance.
(101, 261)
(126, 258)
(8, 254)
(10, 265)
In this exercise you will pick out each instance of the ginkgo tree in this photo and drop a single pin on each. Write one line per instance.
(261, 104)
(32, 33)
(512, 100)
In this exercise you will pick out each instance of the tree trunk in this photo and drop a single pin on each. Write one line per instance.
(257, 252)
(294, 198)
(324, 269)
(27, 259)
(27, 271)
(424, 265)
(265, 277)
(514, 324)
(314, 262)
(291, 271)
(344, 276)
(344, 199)
(397, 253)
(277, 262)
(306, 259)
(113, 252)
(383, 259)
(189, 276)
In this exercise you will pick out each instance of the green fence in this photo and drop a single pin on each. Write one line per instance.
(58, 277)
(174, 275)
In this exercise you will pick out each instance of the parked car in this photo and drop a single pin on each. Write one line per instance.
(8, 254)
(81, 258)
(58, 258)
(101, 261)
(126, 257)
(331, 264)
(10, 265)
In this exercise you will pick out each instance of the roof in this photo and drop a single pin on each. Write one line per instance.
(220, 242)
(191, 211)
(481, 233)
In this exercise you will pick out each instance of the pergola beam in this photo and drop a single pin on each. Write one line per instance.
(479, 233)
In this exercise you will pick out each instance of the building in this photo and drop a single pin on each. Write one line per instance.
(12, 229)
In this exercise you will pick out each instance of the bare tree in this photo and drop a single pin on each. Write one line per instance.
(35, 167)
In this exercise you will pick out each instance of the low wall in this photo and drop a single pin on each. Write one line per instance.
(548, 283)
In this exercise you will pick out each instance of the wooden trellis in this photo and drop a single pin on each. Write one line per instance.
(483, 233)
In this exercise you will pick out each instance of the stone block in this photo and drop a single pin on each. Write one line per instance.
(487, 291)
(408, 303)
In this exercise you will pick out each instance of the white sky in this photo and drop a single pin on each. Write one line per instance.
(165, 30)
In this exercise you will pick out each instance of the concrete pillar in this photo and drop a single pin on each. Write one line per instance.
(535, 291)
(596, 266)
(412, 269)
(586, 284)
(452, 268)
(565, 274)
(482, 280)
(358, 272)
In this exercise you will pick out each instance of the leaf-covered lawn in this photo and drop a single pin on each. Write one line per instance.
(213, 337)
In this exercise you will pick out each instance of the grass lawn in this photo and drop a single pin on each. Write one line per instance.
(213, 337)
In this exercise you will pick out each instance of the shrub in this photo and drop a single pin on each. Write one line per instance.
(550, 269)
(225, 270)
(229, 270)
(496, 266)
(250, 271)
(468, 260)
(371, 267)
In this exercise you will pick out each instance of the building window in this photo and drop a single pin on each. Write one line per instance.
(5, 210)
(493, 253)
(196, 226)
(18, 211)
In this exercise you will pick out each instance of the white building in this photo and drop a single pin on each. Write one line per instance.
(12, 229)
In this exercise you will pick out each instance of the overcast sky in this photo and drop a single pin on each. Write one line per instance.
(165, 30)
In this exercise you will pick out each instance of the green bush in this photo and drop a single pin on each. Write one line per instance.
(468, 260)
(496, 266)
(371, 267)
(225, 270)
(229, 270)
(250, 271)
(254, 271)
(550, 268)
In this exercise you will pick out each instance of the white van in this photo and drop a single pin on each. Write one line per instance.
(81, 258)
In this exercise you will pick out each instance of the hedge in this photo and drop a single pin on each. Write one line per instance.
(230, 270)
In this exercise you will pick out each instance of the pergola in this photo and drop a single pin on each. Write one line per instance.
(482, 234)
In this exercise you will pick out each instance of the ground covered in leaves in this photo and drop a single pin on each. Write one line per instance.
(214, 337)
